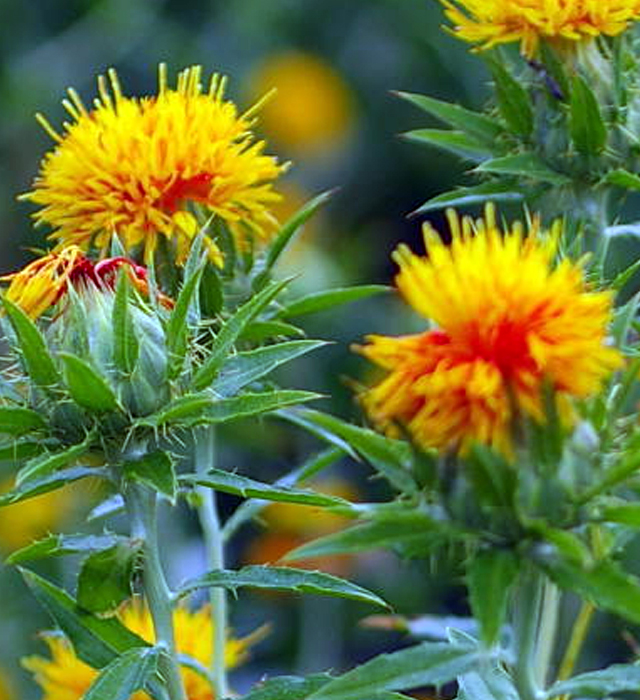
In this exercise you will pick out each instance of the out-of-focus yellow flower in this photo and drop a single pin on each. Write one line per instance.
(490, 22)
(26, 521)
(6, 692)
(507, 322)
(312, 111)
(65, 677)
(42, 283)
(135, 167)
(289, 526)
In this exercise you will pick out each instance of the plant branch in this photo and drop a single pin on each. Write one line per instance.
(214, 544)
(142, 506)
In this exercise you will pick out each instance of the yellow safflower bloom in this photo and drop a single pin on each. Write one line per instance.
(490, 22)
(507, 321)
(65, 677)
(312, 111)
(135, 166)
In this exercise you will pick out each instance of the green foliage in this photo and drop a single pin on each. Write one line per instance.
(33, 347)
(105, 577)
(282, 579)
(429, 663)
(322, 301)
(62, 545)
(247, 367)
(392, 458)
(155, 469)
(513, 101)
(228, 482)
(490, 576)
(599, 684)
(125, 675)
(588, 129)
(96, 640)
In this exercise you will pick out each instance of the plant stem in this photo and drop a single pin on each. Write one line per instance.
(535, 622)
(526, 613)
(212, 532)
(142, 505)
(547, 630)
(578, 637)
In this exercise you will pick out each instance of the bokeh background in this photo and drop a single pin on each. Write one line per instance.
(335, 65)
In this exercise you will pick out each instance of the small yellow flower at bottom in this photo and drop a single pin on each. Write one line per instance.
(65, 677)
(490, 22)
(507, 321)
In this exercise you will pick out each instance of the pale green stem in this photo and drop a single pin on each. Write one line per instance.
(214, 544)
(526, 616)
(142, 506)
(547, 631)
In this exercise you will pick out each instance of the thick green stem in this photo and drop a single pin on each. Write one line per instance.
(526, 617)
(142, 505)
(547, 631)
(213, 539)
(535, 622)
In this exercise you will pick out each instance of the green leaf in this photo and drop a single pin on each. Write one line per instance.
(286, 233)
(86, 386)
(513, 101)
(195, 410)
(321, 301)
(288, 687)
(50, 482)
(473, 123)
(490, 576)
(429, 663)
(62, 545)
(15, 420)
(156, 470)
(246, 367)
(96, 640)
(105, 577)
(588, 130)
(178, 327)
(456, 142)
(598, 684)
(228, 482)
(259, 331)
(605, 584)
(468, 196)
(126, 348)
(282, 578)
(528, 165)
(45, 464)
(624, 179)
(627, 514)
(488, 684)
(125, 675)
(409, 527)
(392, 458)
(38, 362)
(231, 330)
(17, 450)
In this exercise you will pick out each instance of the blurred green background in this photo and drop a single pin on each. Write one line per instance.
(335, 65)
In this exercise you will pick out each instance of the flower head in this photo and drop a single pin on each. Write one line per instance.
(64, 676)
(312, 111)
(134, 167)
(507, 322)
(41, 284)
(490, 22)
